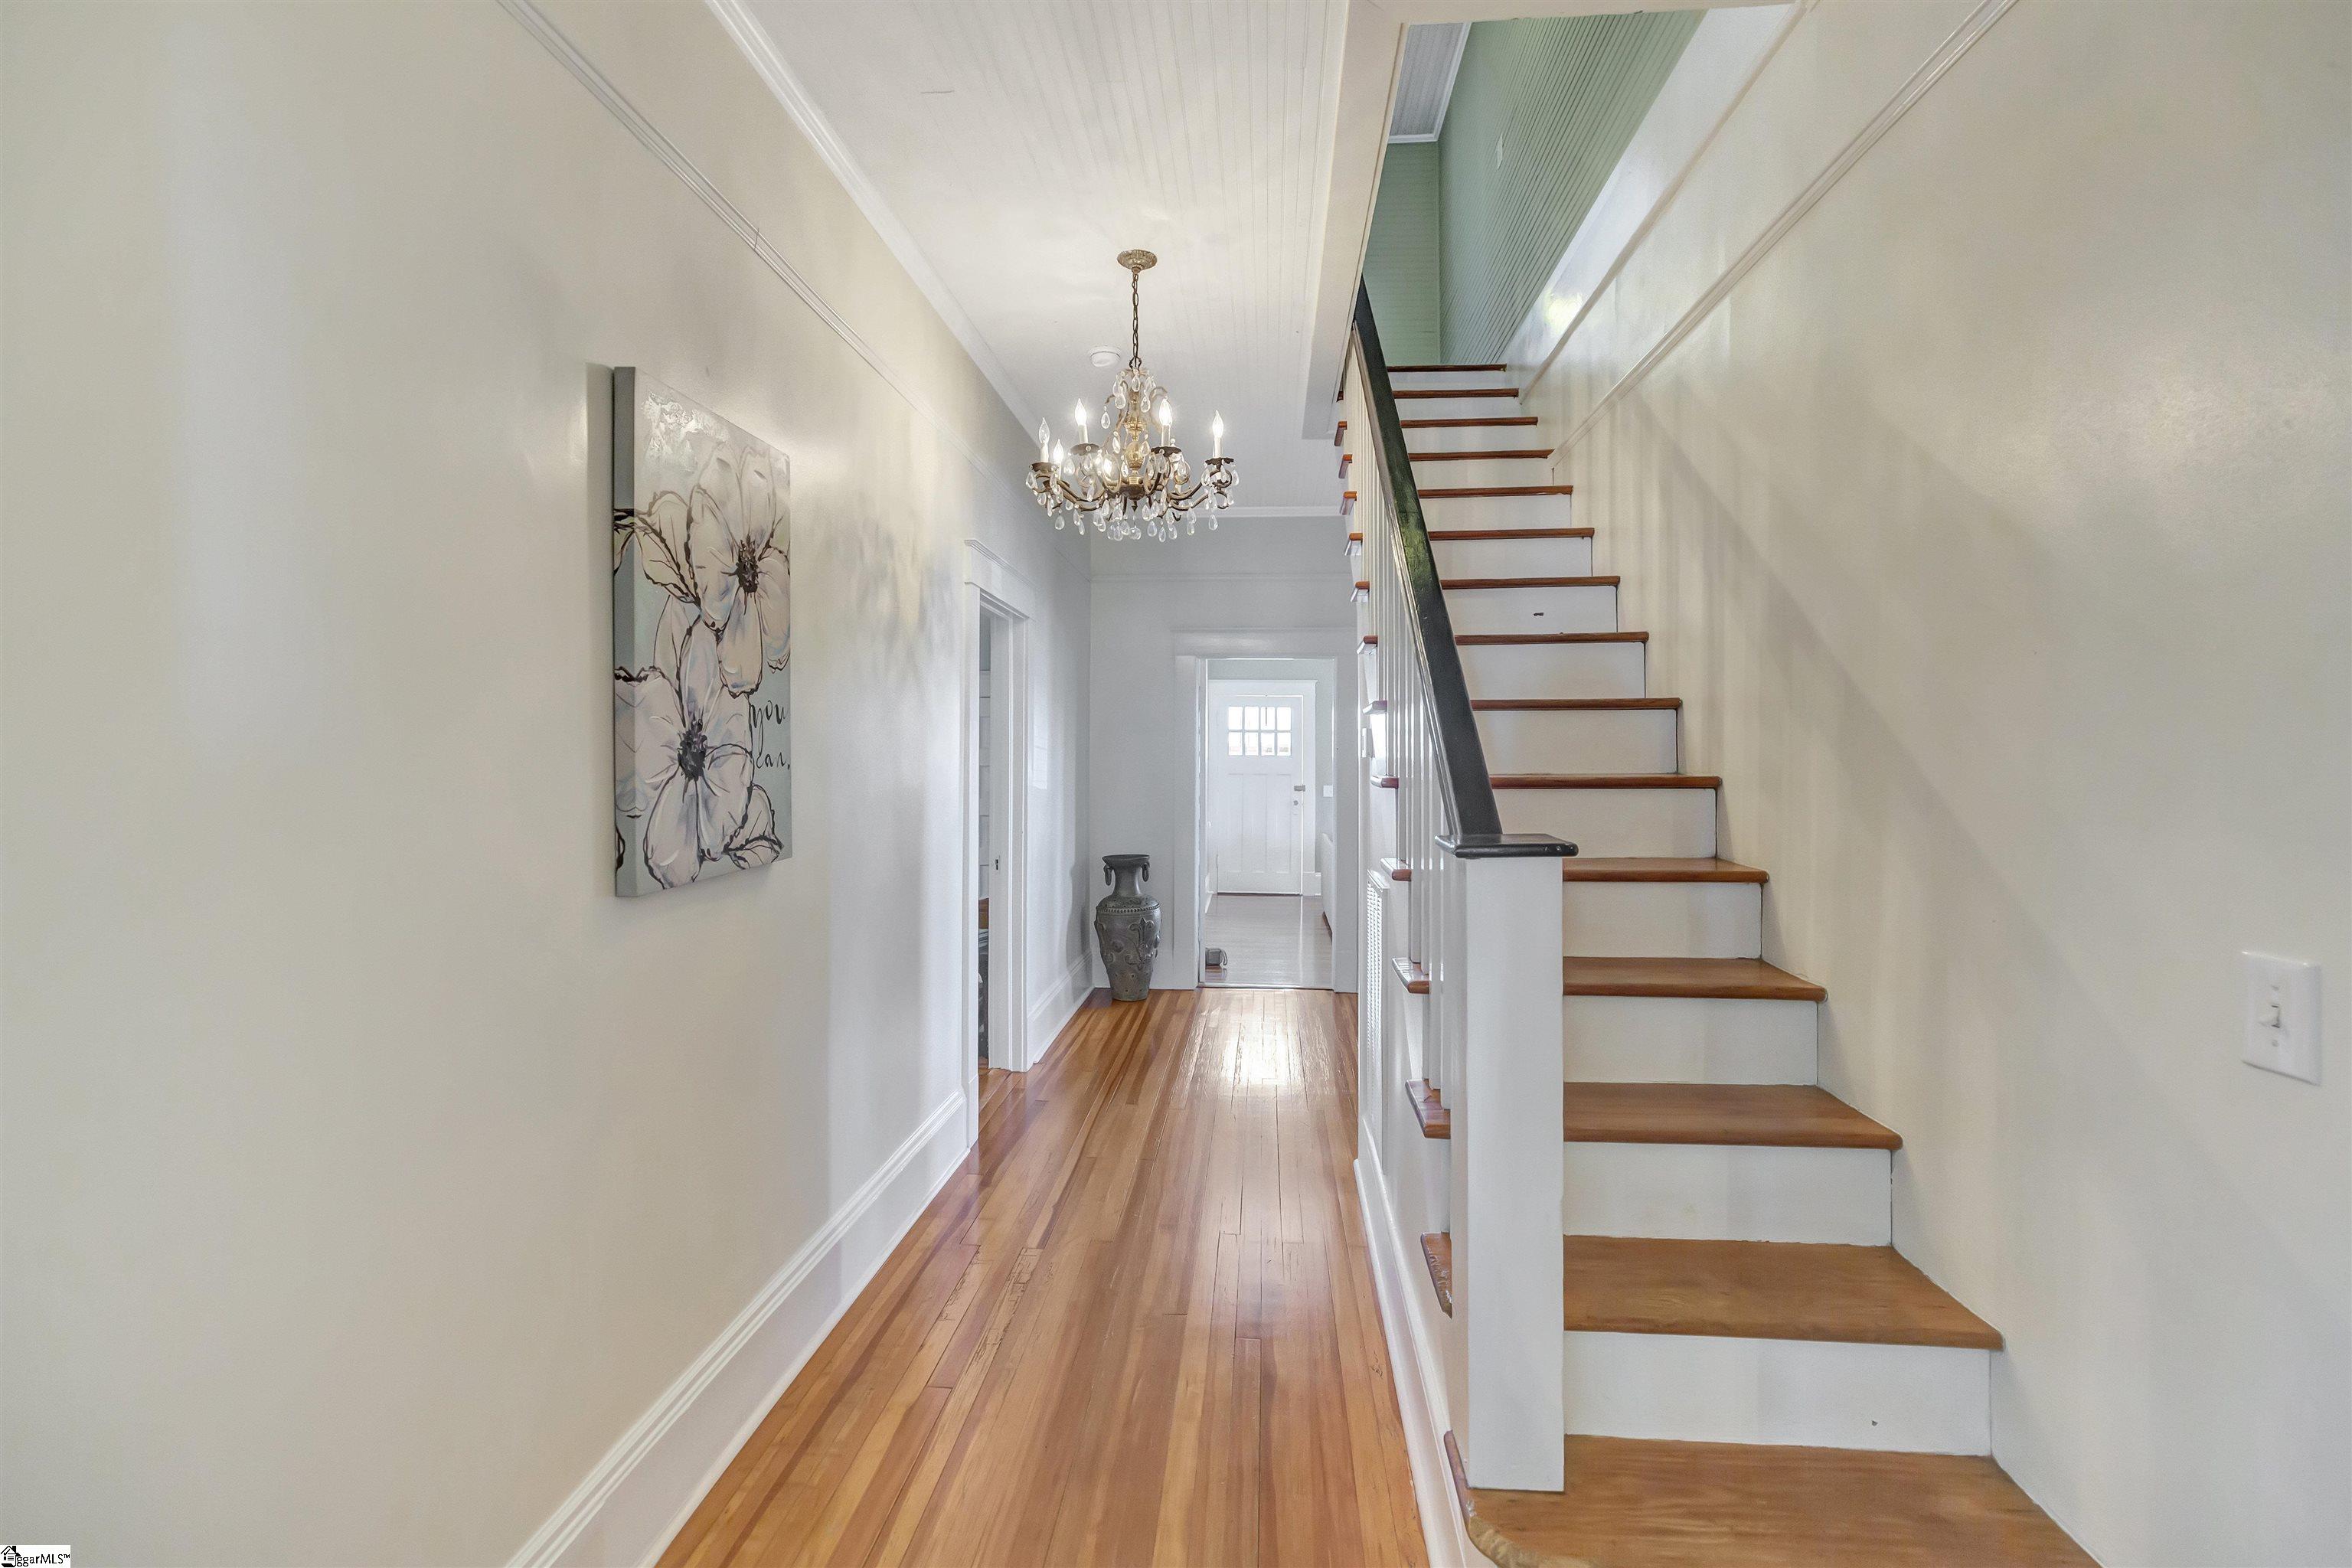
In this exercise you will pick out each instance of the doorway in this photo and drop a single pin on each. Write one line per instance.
(1266, 828)
(994, 904)
(995, 812)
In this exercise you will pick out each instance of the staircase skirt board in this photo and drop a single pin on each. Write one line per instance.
(1583, 608)
(1615, 821)
(1717, 1191)
(1687, 1039)
(1554, 669)
(1676, 920)
(1595, 740)
(1920, 1399)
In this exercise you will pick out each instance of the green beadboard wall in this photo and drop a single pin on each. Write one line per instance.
(1560, 96)
(1401, 263)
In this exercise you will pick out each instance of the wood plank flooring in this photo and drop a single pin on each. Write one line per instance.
(1270, 940)
(1138, 1326)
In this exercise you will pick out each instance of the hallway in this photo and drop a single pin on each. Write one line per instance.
(1139, 1327)
(1269, 939)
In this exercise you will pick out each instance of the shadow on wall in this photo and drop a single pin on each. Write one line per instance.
(2048, 1178)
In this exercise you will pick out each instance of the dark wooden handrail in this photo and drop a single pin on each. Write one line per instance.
(1461, 756)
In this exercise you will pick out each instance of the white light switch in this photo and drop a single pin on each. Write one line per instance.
(2281, 1015)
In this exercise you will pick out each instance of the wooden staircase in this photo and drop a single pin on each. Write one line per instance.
(1753, 1373)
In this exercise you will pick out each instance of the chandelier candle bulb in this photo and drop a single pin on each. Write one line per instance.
(1217, 436)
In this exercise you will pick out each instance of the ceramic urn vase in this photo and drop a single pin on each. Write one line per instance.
(1127, 927)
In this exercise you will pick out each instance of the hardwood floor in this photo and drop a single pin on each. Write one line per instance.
(1270, 938)
(1138, 1326)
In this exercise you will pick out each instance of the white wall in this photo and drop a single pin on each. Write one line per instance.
(369, 1167)
(1992, 527)
(1257, 586)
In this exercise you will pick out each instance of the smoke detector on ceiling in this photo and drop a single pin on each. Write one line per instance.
(1103, 359)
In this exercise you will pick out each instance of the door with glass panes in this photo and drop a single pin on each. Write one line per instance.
(1260, 808)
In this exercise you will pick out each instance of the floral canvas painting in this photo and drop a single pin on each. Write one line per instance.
(702, 642)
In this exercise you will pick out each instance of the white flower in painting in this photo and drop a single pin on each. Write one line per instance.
(756, 842)
(741, 576)
(692, 760)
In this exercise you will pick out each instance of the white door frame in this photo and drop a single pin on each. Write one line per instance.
(991, 587)
(1181, 944)
(1306, 755)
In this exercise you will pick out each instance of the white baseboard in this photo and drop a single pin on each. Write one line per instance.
(642, 1492)
(1055, 1010)
(1420, 1375)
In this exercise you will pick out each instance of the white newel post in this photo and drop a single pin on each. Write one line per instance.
(1502, 966)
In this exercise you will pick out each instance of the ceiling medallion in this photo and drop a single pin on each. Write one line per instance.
(1128, 487)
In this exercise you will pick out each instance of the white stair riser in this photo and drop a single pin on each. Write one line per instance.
(1687, 1039)
(1616, 821)
(1454, 408)
(1472, 437)
(1474, 610)
(1931, 1399)
(1513, 557)
(1579, 740)
(1721, 1192)
(1498, 512)
(1662, 919)
(1412, 380)
(1470, 473)
(1556, 670)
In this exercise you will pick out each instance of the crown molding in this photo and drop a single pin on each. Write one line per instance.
(768, 62)
(542, 27)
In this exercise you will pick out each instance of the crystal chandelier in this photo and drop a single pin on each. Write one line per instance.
(1130, 488)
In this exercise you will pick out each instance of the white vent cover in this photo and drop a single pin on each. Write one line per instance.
(1433, 53)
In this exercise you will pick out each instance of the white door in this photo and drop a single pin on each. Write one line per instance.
(1261, 765)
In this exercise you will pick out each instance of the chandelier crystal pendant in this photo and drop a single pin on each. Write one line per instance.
(1128, 486)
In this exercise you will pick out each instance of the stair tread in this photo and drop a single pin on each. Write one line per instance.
(1415, 978)
(1463, 422)
(1437, 1256)
(1461, 494)
(1785, 1116)
(1405, 392)
(1751, 978)
(1458, 535)
(1654, 868)
(1501, 639)
(1761, 1289)
(1436, 1121)
(1604, 781)
(1500, 454)
(1776, 1115)
(1454, 584)
(1638, 1503)
(1427, 369)
(1570, 704)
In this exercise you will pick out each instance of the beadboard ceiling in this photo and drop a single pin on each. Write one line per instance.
(1021, 147)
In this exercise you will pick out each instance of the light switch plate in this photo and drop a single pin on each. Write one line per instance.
(2280, 1016)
